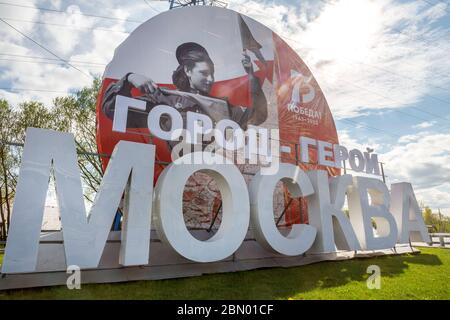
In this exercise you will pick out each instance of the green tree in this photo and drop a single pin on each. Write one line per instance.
(78, 112)
(74, 113)
(8, 177)
(427, 216)
(438, 221)
(13, 125)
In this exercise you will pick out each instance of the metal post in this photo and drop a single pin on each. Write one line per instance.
(301, 211)
(284, 211)
(382, 172)
(215, 216)
(441, 241)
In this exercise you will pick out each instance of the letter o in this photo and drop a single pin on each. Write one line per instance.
(153, 123)
(168, 208)
(352, 155)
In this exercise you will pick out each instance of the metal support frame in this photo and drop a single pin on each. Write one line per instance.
(284, 211)
(215, 217)
(186, 3)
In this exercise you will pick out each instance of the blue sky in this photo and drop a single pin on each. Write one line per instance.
(383, 65)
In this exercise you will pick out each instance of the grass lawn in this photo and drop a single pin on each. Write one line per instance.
(419, 276)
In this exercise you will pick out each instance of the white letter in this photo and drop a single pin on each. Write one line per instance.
(168, 207)
(372, 163)
(326, 214)
(84, 237)
(324, 154)
(352, 159)
(121, 111)
(301, 236)
(362, 212)
(154, 118)
(305, 142)
(340, 155)
(407, 213)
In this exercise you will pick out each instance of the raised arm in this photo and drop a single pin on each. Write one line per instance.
(258, 111)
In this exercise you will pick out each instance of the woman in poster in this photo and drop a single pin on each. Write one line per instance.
(193, 79)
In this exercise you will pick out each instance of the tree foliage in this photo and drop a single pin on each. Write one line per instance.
(436, 222)
(74, 113)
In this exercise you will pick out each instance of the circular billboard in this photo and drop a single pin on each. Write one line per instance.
(225, 65)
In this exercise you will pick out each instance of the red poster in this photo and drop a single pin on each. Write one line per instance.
(227, 66)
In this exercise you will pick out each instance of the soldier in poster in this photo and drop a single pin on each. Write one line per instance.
(193, 80)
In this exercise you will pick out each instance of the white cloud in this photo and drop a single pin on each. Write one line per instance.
(64, 40)
(350, 142)
(75, 43)
(424, 125)
(365, 54)
(423, 160)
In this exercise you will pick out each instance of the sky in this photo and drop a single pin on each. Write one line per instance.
(383, 65)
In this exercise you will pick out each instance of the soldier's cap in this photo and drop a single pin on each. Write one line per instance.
(184, 51)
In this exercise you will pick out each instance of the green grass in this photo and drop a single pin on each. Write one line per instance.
(410, 276)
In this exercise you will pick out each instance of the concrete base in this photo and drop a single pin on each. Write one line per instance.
(164, 262)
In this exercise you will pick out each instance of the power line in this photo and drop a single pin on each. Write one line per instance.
(379, 68)
(429, 42)
(403, 112)
(46, 49)
(51, 62)
(438, 2)
(27, 89)
(389, 98)
(356, 124)
(399, 75)
(399, 31)
(64, 25)
(389, 27)
(75, 13)
(394, 100)
(152, 7)
(45, 58)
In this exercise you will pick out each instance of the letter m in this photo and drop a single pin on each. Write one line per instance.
(130, 169)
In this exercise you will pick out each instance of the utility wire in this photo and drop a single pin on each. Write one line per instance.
(397, 30)
(394, 100)
(75, 13)
(376, 67)
(357, 124)
(38, 90)
(63, 25)
(52, 62)
(45, 48)
(438, 2)
(45, 58)
(152, 7)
